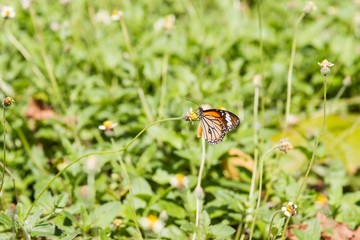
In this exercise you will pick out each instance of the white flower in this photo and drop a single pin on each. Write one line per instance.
(103, 16)
(25, 3)
(54, 26)
(167, 23)
(179, 181)
(108, 127)
(289, 210)
(64, 1)
(8, 12)
(152, 223)
(309, 6)
(116, 15)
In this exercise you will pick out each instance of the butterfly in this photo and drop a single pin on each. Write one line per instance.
(215, 123)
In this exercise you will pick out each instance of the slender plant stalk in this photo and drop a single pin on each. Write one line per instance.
(94, 153)
(271, 223)
(132, 59)
(198, 200)
(46, 60)
(256, 141)
(312, 157)
(25, 54)
(260, 187)
(131, 195)
(4, 162)
(27, 235)
(13, 179)
(262, 101)
(164, 78)
(291, 66)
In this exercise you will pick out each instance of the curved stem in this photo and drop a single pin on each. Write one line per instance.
(90, 154)
(260, 188)
(132, 202)
(316, 144)
(291, 66)
(271, 223)
(285, 227)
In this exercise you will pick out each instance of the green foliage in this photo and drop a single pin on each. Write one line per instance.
(68, 72)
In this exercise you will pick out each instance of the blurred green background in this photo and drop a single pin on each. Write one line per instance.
(69, 69)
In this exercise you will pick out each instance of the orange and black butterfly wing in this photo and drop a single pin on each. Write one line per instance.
(212, 127)
(216, 123)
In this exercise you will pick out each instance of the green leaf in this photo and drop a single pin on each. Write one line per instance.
(141, 186)
(5, 219)
(312, 232)
(171, 209)
(173, 232)
(105, 214)
(20, 211)
(161, 177)
(34, 218)
(188, 227)
(221, 231)
(43, 230)
(62, 200)
(71, 236)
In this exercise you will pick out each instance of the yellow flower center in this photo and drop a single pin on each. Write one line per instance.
(152, 219)
(180, 178)
(108, 124)
(321, 199)
(7, 13)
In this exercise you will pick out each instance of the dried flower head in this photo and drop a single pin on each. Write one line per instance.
(8, 101)
(289, 210)
(179, 181)
(284, 145)
(309, 6)
(108, 127)
(325, 67)
(8, 12)
(199, 192)
(152, 223)
(116, 15)
(257, 81)
(103, 16)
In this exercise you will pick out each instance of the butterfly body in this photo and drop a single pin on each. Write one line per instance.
(215, 123)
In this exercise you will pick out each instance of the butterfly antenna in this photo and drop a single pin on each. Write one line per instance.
(190, 100)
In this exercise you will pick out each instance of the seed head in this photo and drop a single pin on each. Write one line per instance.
(325, 67)
(284, 145)
(8, 101)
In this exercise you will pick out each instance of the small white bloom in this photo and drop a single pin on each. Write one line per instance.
(159, 24)
(54, 26)
(25, 3)
(309, 6)
(257, 81)
(103, 16)
(179, 181)
(116, 15)
(108, 127)
(152, 223)
(8, 12)
(289, 210)
(64, 1)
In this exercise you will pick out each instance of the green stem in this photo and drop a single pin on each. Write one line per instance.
(132, 202)
(256, 141)
(46, 60)
(291, 66)
(260, 188)
(271, 223)
(262, 110)
(316, 144)
(313, 155)
(198, 200)
(164, 78)
(285, 227)
(94, 153)
(4, 163)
